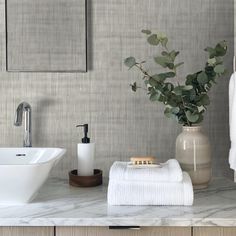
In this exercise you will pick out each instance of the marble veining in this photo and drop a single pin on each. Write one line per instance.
(59, 204)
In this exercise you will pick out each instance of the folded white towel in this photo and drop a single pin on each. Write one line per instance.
(143, 193)
(232, 121)
(169, 171)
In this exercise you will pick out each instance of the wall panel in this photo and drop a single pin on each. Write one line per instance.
(122, 123)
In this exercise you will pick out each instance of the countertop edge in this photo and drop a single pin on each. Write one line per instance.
(93, 222)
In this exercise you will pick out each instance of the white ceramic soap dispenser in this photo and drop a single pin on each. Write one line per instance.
(85, 154)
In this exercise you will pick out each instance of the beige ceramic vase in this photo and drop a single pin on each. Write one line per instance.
(193, 152)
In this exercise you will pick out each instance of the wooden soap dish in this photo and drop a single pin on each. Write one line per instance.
(85, 181)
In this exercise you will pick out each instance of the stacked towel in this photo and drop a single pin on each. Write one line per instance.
(166, 185)
(232, 120)
(170, 171)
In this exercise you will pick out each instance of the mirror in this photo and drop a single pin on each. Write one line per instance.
(46, 35)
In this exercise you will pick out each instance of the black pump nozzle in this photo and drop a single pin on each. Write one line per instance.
(85, 139)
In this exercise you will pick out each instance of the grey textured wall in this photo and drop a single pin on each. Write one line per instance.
(121, 123)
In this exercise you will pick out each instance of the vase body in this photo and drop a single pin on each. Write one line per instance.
(193, 152)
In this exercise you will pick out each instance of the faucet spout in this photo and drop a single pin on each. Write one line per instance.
(24, 108)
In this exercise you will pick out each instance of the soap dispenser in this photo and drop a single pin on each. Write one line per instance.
(85, 154)
(85, 175)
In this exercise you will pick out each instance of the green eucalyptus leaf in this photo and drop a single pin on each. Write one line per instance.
(202, 78)
(159, 87)
(162, 76)
(211, 51)
(200, 119)
(146, 31)
(130, 62)
(146, 82)
(164, 41)
(209, 70)
(221, 48)
(134, 86)
(164, 53)
(153, 40)
(161, 35)
(208, 86)
(172, 102)
(173, 54)
(178, 90)
(192, 76)
(161, 99)
(175, 110)
(190, 79)
(192, 117)
(192, 95)
(168, 87)
(158, 78)
(152, 82)
(219, 69)
(169, 114)
(201, 109)
(219, 60)
(187, 87)
(211, 61)
(171, 66)
(151, 90)
(163, 61)
(154, 97)
(204, 100)
(169, 74)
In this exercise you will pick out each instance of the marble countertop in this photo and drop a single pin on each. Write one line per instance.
(59, 204)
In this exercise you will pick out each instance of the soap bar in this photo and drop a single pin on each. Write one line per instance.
(148, 160)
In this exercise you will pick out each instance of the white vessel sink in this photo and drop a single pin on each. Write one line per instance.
(23, 171)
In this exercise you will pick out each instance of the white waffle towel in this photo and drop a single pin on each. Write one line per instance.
(169, 171)
(122, 192)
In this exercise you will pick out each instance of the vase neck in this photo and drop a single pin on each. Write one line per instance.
(192, 128)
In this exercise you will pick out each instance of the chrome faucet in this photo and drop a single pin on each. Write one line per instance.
(26, 108)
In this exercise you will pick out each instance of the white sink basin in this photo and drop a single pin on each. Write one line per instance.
(23, 171)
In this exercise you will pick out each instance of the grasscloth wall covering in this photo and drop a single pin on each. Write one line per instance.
(121, 123)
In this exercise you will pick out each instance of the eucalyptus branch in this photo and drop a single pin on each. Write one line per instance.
(187, 102)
